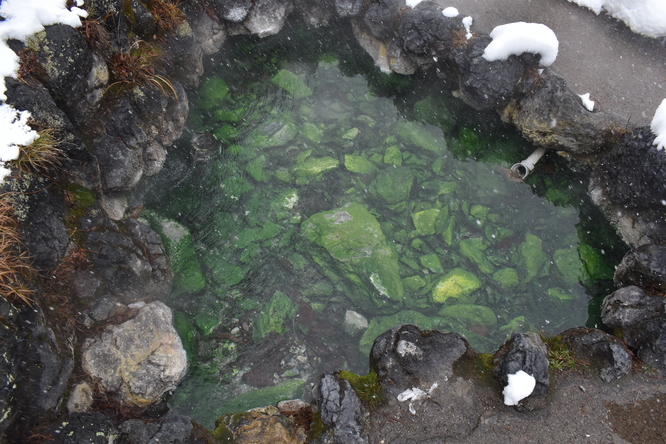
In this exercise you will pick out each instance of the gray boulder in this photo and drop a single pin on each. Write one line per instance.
(141, 359)
(340, 409)
(604, 352)
(644, 267)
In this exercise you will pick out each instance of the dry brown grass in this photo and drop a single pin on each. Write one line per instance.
(136, 67)
(40, 156)
(15, 268)
(167, 14)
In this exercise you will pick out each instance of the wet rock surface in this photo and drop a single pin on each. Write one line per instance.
(341, 410)
(643, 267)
(600, 350)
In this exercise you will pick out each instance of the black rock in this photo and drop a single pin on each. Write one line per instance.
(381, 18)
(172, 429)
(644, 267)
(349, 8)
(604, 352)
(424, 31)
(141, 21)
(84, 428)
(405, 357)
(340, 409)
(526, 352)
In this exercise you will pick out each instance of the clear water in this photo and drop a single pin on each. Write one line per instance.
(263, 307)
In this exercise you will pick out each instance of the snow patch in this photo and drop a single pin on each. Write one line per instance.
(517, 38)
(587, 103)
(647, 17)
(413, 3)
(520, 386)
(450, 12)
(14, 132)
(658, 126)
(467, 23)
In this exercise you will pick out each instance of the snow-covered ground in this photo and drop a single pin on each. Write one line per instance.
(22, 18)
(647, 17)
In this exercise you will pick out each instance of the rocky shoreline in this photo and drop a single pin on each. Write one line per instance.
(97, 362)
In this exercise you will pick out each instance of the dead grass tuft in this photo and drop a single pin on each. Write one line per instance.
(167, 14)
(15, 268)
(136, 67)
(40, 156)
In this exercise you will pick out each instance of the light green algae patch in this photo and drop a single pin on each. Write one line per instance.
(393, 184)
(424, 221)
(273, 316)
(354, 239)
(507, 278)
(470, 314)
(315, 167)
(532, 260)
(414, 134)
(455, 284)
(291, 83)
(360, 165)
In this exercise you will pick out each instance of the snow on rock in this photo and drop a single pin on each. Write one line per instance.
(521, 385)
(450, 12)
(413, 3)
(647, 17)
(467, 23)
(14, 132)
(587, 103)
(517, 38)
(658, 126)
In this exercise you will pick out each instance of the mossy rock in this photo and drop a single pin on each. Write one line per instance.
(455, 284)
(594, 265)
(273, 316)
(354, 240)
(212, 93)
(290, 389)
(255, 168)
(311, 132)
(432, 263)
(416, 135)
(187, 332)
(254, 235)
(393, 156)
(226, 133)
(272, 133)
(177, 240)
(568, 264)
(206, 322)
(360, 165)
(470, 314)
(473, 249)
(393, 184)
(424, 221)
(431, 110)
(561, 297)
(507, 278)
(532, 260)
(291, 83)
(315, 167)
(414, 283)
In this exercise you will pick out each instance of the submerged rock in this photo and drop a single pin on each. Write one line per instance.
(274, 315)
(456, 283)
(393, 184)
(354, 240)
(291, 83)
(140, 359)
(415, 135)
(531, 258)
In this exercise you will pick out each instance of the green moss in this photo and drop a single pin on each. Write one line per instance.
(455, 284)
(212, 93)
(358, 164)
(414, 283)
(507, 278)
(393, 184)
(560, 356)
(393, 155)
(273, 316)
(424, 221)
(289, 389)
(291, 83)
(367, 387)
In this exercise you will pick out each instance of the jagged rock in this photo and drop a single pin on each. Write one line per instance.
(209, 33)
(552, 116)
(267, 16)
(641, 319)
(234, 11)
(381, 18)
(604, 352)
(315, 13)
(408, 357)
(526, 352)
(340, 409)
(84, 428)
(141, 21)
(128, 259)
(643, 267)
(424, 31)
(171, 429)
(349, 8)
(140, 359)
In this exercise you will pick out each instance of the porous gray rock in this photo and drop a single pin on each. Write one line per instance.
(526, 352)
(140, 359)
(80, 398)
(349, 8)
(128, 259)
(234, 11)
(267, 17)
(604, 352)
(408, 357)
(340, 409)
(641, 320)
(644, 266)
(425, 31)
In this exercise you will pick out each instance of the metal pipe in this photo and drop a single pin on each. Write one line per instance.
(524, 168)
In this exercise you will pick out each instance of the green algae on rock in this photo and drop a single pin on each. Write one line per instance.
(424, 221)
(473, 249)
(354, 239)
(470, 314)
(455, 284)
(315, 167)
(273, 316)
(532, 260)
(416, 135)
(568, 265)
(359, 164)
(507, 278)
(212, 91)
(291, 83)
(393, 184)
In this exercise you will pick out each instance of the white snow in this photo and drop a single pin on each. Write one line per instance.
(450, 12)
(517, 38)
(647, 17)
(415, 394)
(658, 126)
(413, 3)
(520, 386)
(22, 18)
(467, 23)
(587, 103)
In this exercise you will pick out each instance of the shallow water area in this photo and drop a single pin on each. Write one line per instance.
(320, 203)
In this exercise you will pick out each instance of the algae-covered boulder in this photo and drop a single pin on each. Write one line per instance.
(416, 135)
(393, 155)
(531, 258)
(381, 324)
(315, 167)
(432, 263)
(568, 264)
(273, 316)
(455, 284)
(358, 164)
(289, 389)
(561, 297)
(594, 264)
(470, 314)
(354, 240)
(413, 283)
(291, 83)
(472, 249)
(424, 221)
(272, 133)
(177, 240)
(393, 184)
(507, 278)
(212, 93)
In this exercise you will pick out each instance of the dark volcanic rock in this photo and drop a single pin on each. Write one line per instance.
(424, 31)
(140, 19)
(381, 18)
(172, 429)
(340, 409)
(604, 352)
(643, 267)
(128, 259)
(267, 17)
(526, 352)
(349, 8)
(642, 321)
(84, 428)
(408, 357)
(634, 173)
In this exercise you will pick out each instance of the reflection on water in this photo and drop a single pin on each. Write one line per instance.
(321, 214)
